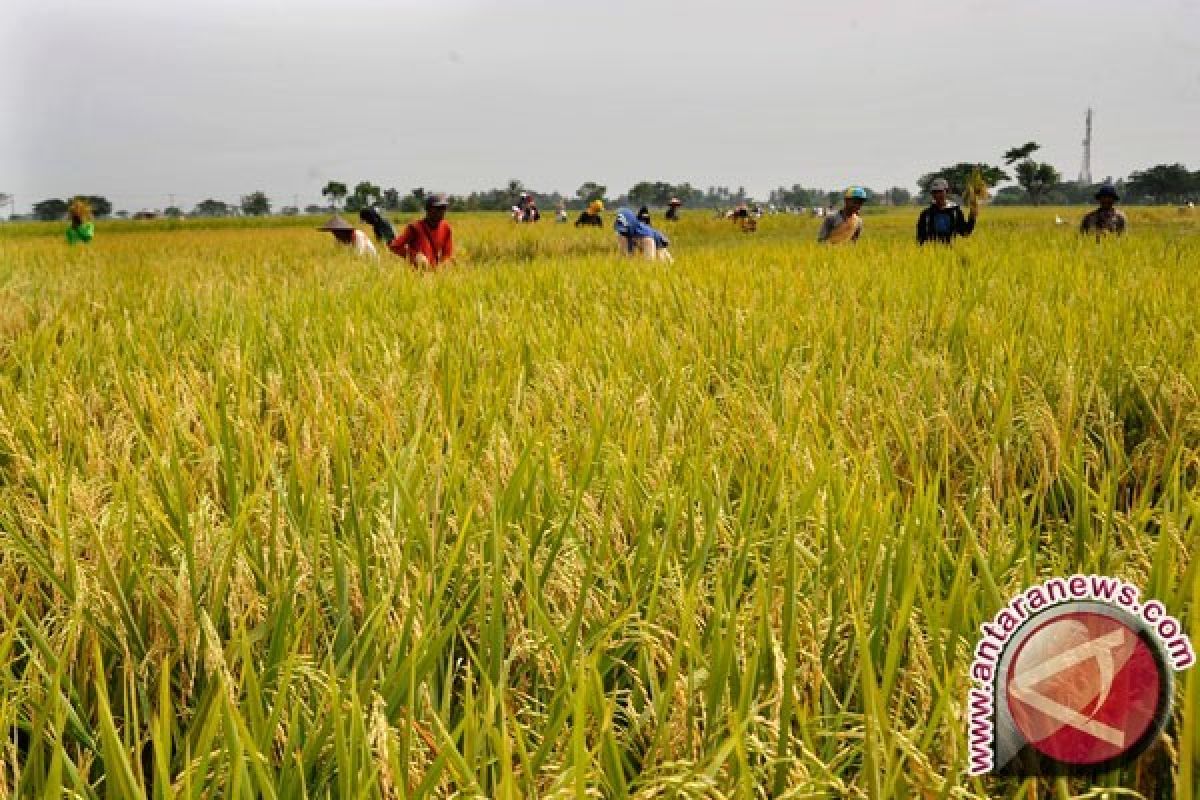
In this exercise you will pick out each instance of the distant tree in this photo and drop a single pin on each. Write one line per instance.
(255, 204)
(414, 200)
(1074, 192)
(335, 191)
(645, 193)
(957, 175)
(1015, 154)
(589, 191)
(1036, 178)
(797, 197)
(515, 187)
(899, 196)
(490, 200)
(289, 211)
(365, 194)
(314, 209)
(1164, 183)
(48, 210)
(689, 195)
(391, 200)
(5, 199)
(641, 193)
(100, 205)
(368, 192)
(122, 214)
(172, 212)
(208, 208)
(1009, 196)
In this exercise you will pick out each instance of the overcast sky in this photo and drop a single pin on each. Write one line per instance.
(141, 99)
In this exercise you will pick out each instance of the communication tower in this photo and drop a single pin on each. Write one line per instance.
(1085, 172)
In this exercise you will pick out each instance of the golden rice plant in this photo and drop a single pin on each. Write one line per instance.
(276, 522)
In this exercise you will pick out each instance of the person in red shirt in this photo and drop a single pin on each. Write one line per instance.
(427, 243)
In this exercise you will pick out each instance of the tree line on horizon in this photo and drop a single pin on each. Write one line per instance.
(1034, 182)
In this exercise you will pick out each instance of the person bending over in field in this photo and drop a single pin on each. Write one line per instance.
(635, 236)
(81, 230)
(943, 220)
(427, 243)
(384, 231)
(845, 225)
(590, 216)
(349, 236)
(1107, 218)
(673, 209)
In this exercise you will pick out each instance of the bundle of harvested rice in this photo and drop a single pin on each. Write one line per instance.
(845, 231)
(80, 208)
(976, 192)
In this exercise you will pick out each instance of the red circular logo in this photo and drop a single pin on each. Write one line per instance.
(1084, 688)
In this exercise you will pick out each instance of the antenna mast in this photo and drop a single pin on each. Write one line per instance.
(1085, 172)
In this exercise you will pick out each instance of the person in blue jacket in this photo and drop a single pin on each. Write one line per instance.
(943, 220)
(635, 236)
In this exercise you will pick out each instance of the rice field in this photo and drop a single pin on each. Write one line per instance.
(279, 523)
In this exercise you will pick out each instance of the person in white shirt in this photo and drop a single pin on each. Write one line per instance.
(350, 236)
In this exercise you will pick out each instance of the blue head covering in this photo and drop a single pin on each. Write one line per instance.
(628, 225)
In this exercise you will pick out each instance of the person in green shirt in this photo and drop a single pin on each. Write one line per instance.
(81, 230)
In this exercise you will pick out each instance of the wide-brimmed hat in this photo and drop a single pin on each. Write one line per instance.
(939, 185)
(336, 223)
(855, 193)
(595, 206)
(675, 201)
(438, 200)
(1107, 190)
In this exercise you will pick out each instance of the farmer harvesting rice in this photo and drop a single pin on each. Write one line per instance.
(1107, 218)
(384, 231)
(634, 236)
(427, 243)
(81, 230)
(673, 209)
(943, 220)
(590, 216)
(742, 218)
(845, 225)
(349, 236)
(643, 215)
(526, 209)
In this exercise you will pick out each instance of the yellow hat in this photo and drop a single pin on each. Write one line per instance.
(595, 207)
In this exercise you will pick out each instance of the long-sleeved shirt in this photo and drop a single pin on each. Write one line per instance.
(435, 244)
(1104, 221)
(81, 233)
(943, 224)
(835, 221)
(383, 229)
